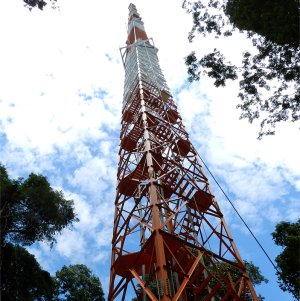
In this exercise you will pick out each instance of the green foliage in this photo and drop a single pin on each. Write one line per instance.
(287, 235)
(254, 273)
(31, 210)
(22, 277)
(273, 71)
(40, 4)
(214, 63)
(77, 283)
(265, 17)
(220, 267)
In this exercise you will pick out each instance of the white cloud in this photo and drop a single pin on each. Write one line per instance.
(190, 107)
(92, 216)
(94, 176)
(72, 245)
(88, 241)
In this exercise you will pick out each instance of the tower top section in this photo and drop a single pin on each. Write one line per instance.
(136, 30)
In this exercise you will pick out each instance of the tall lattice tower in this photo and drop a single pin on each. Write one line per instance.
(170, 240)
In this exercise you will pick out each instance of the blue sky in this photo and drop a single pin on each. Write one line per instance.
(61, 82)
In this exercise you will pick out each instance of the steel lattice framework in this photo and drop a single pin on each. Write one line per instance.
(170, 240)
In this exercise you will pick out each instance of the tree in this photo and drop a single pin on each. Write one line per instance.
(269, 79)
(23, 278)
(287, 235)
(253, 271)
(31, 210)
(40, 4)
(77, 283)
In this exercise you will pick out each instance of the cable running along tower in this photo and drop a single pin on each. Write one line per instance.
(170, 240)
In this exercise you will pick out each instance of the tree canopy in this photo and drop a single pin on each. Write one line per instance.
(40, 4)
(269, 77)
(287, 235)
(25, 280)
(22, 278)
(253, 271)
(76, 282)
(266, 17)
(31, 210)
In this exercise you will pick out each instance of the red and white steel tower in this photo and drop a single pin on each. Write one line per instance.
(170, 240)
